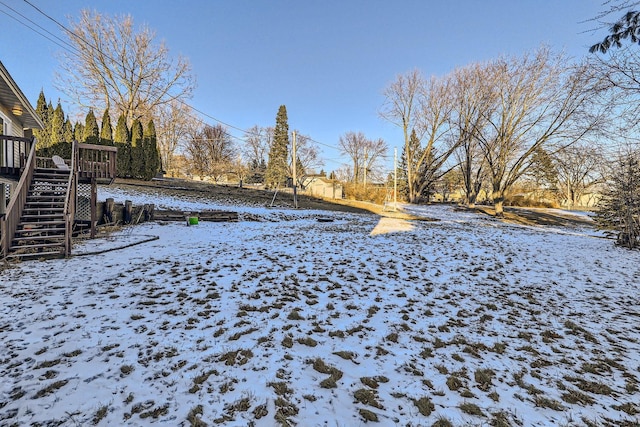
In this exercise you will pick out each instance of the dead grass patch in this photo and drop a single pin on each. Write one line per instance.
(471, 409)
(425, 405)
(577, 397)
(591, 386)
(367, 415)
(100, 414)
(193, 417)
(51, 388)
(374, 382)
(367, 397)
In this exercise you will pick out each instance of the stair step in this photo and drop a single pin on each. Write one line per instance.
(37, 255)
(40, 197)
(50, 181)
(44, 234)
(31, 200)
(59, 208)
(41, 214)
(44, 171)
(35, 203)
(29, 213)
(45, 194)
(37, 241)
(41, 217)
(51, 170)
(37, 246)
(37, 225)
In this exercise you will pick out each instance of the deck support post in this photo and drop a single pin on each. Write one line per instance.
(3, 200)
(94, 207)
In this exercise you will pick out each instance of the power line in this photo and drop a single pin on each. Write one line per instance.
(92, 47)
(34, 23)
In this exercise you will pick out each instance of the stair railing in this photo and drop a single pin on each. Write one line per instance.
(70, 199)
(9, 223)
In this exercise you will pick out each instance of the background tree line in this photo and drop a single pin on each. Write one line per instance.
(535, 120)
(137, 157)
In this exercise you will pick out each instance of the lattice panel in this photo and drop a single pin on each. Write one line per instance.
(83, 202)
(44, 186)
(7, 192)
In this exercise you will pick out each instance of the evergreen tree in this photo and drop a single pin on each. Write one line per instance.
(67, 131)
(56, 126)
(42, 135)
(106, 133)
(78, 132)
(91, 130)
(137, 150)
(122, 131)
(50, 111)
(122, 142)
(277, 166)
(619, 211)
(58, 144)
(151, 153)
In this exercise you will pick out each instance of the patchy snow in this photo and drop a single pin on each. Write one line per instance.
(281, 319)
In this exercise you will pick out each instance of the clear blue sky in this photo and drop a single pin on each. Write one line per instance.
(328, 61)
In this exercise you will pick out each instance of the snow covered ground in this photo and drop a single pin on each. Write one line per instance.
(280, 319)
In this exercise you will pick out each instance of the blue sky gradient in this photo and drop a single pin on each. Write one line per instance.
(327, 61)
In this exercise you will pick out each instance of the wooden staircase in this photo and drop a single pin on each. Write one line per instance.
(41, 232)
(39, 218)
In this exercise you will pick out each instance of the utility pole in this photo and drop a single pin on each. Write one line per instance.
(295, 178)
(395, 179)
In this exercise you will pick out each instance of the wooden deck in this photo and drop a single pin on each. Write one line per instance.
(93, 164)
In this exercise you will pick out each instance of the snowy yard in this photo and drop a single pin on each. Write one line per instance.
(279, 319)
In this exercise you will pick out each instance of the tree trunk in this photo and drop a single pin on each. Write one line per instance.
(498, 202)
(472, 197)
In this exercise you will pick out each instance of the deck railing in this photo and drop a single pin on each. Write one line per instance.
(9, 223)
(14, 151)
(96, 161)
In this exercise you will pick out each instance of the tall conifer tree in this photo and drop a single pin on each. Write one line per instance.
(91, 130)
(56, 125)
(78, 132)
(106, 132)
(67, 131)
(137, 149)
(151, 153)
(122, 142)
(276, 173)
(42, 135)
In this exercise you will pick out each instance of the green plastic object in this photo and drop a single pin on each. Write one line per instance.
(193, 220)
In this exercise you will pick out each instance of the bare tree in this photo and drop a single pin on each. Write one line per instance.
(400, 105)
(364, 153)
(175, 121)
(308, 158)
(472, 101)
(255, 151)
(579, 168)
(619, 89)
(257, 142)
(211, 152)
(344, 174)
(539, 101)
(422, 108)
(426, 159)
(113, 65)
